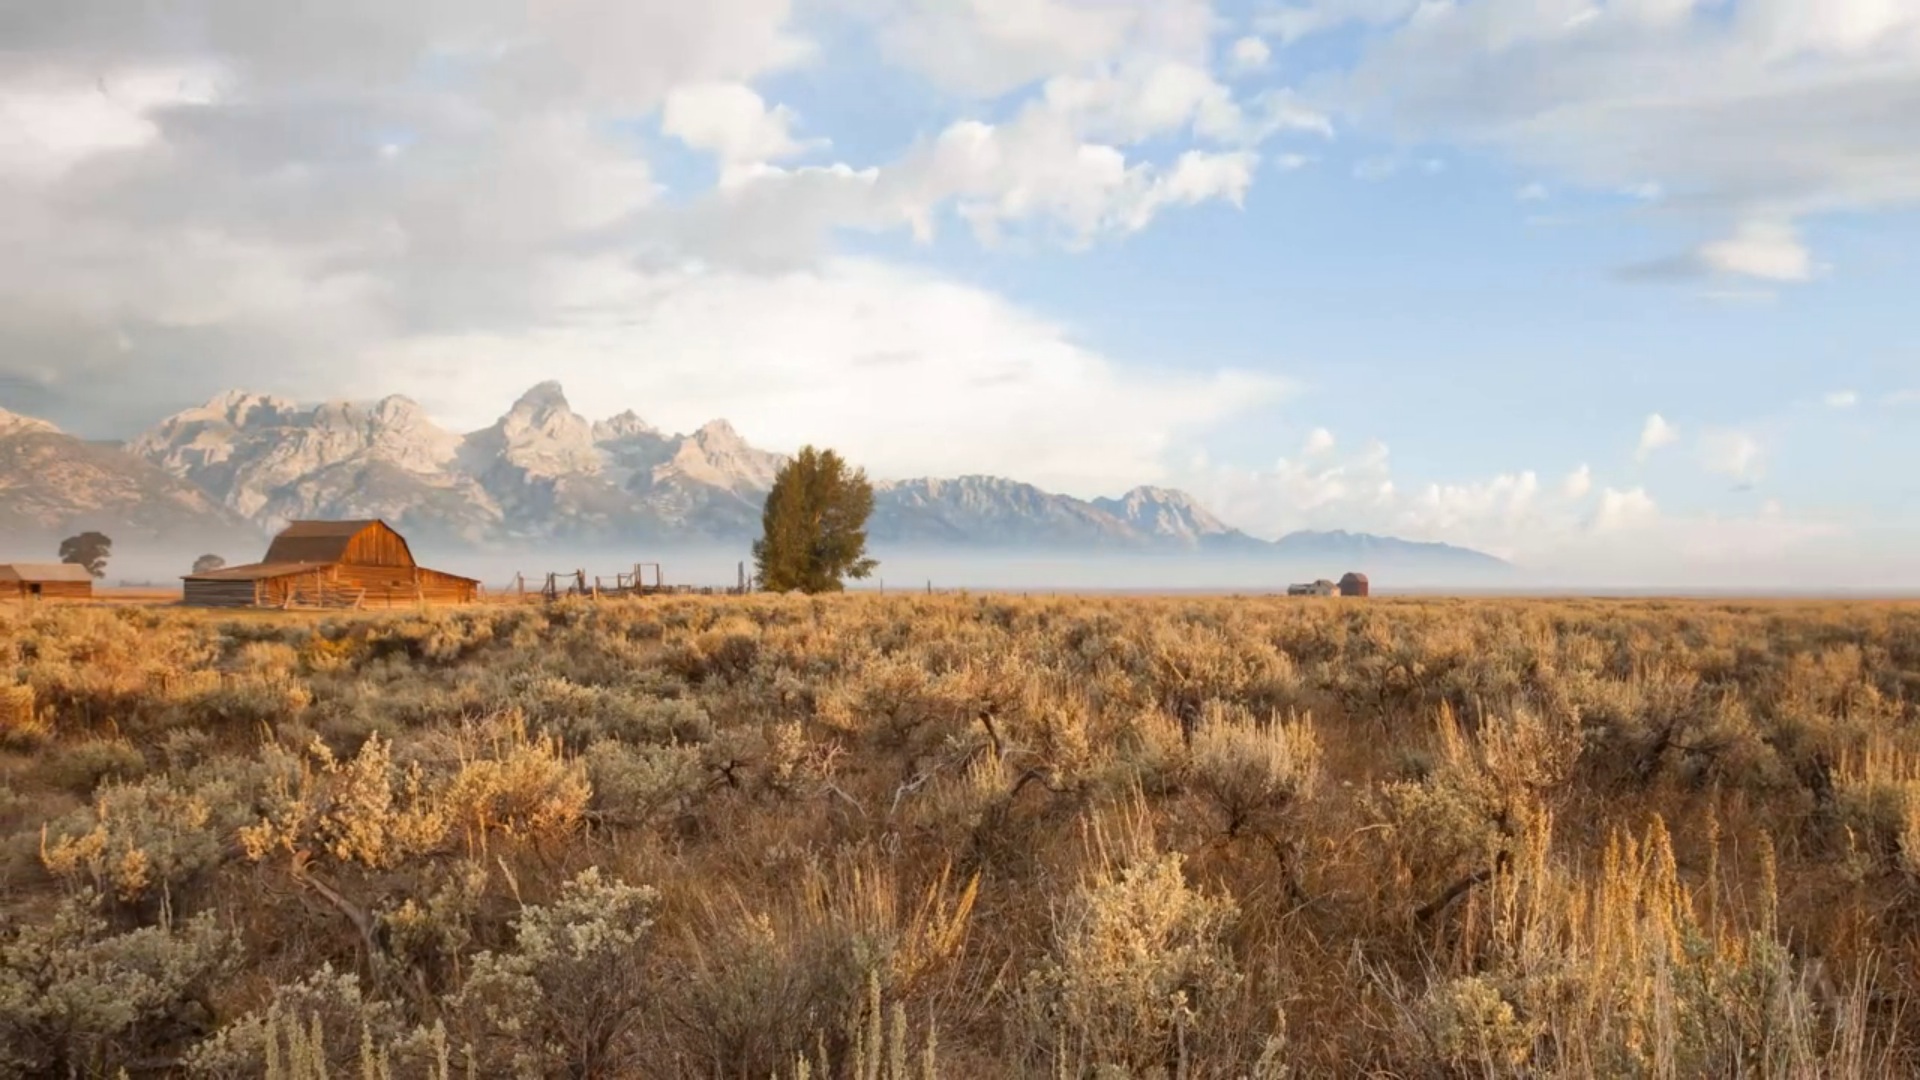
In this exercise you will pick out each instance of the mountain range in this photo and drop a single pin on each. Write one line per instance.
(246, 463)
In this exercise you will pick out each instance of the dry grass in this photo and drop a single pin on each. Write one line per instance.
(963, 836)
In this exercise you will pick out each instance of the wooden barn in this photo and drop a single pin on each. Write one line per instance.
(1354, 584)
(53, 581)
(331, 564)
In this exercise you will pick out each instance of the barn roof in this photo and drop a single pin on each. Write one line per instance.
(320, 541)
(31, 572)
(256, 571)
(265, 570)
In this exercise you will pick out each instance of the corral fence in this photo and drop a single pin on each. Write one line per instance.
(645, 579)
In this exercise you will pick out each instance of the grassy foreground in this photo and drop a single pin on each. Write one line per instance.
(892, 837)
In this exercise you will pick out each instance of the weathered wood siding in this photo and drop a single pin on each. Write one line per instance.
(220, 593)
(46, 590)
(378, 545)
(390, 586)
(337, 586)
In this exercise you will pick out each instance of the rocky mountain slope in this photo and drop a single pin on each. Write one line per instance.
(1364, 549)
(53, 485)
(544, 472)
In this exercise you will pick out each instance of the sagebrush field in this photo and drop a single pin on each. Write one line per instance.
(892, 837)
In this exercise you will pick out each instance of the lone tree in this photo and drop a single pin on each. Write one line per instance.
(207, 564)
(89, 549)
(814, 527)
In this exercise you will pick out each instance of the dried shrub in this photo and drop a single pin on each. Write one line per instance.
(633, 786)
(1474, 1028)
(1454, 827)
(1138, 961)
(79, 1000)
(138, 842)
(362, 810)
(21, 725)
(1255, 773)
(582, 715)
(320, 1023)
(565, 999)
(763, 988)
(1626, 973)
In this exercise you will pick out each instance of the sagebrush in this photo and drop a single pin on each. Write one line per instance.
(922, 836)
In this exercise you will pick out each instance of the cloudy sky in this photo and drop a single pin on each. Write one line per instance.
(1569, 280)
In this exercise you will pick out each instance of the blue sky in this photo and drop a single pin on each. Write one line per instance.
(1426, 269)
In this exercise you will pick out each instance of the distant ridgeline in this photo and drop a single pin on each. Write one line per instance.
(243, 465)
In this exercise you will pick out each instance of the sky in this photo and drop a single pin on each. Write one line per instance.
(1576, 282)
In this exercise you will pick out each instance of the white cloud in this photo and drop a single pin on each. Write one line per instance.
(1296, 20)
(1509, 515)
(1139, 103)
(383, 180)
(1733, 454)
(1752, 116)
(1532, 193)
(734, 123)
(971, 383)
(1902, 397)
(1577, 483)
(1771, 251)
(1841, 399)
(1504, 504)
(51, 120)
(1313, 490)
(1654, 434)
(1577, 531)
(1624, 511)
(1250, 54)
(987, 48)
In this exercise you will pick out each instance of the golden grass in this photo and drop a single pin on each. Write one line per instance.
(977, 836)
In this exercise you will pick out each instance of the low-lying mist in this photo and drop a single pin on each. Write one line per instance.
(719, 565)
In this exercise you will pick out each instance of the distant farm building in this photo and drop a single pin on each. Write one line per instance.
(1323, 587)
(1354, 584)
(330, 564)
(55, 581)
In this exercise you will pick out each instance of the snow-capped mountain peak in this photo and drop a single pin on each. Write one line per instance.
(542, 435)
(1165, 512)
(544, 472)
(626, 425)
(716, 455)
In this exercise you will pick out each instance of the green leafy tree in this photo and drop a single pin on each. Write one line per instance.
(207, 564)
(814, 527)
(89, 549)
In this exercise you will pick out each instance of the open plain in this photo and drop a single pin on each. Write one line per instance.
(968, 836)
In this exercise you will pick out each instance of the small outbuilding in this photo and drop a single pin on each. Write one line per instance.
(1353, 584)
(53, 581)
(330, 564)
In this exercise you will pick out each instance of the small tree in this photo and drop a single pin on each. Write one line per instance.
(814, 525)
(207, 564)
(89, 549)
